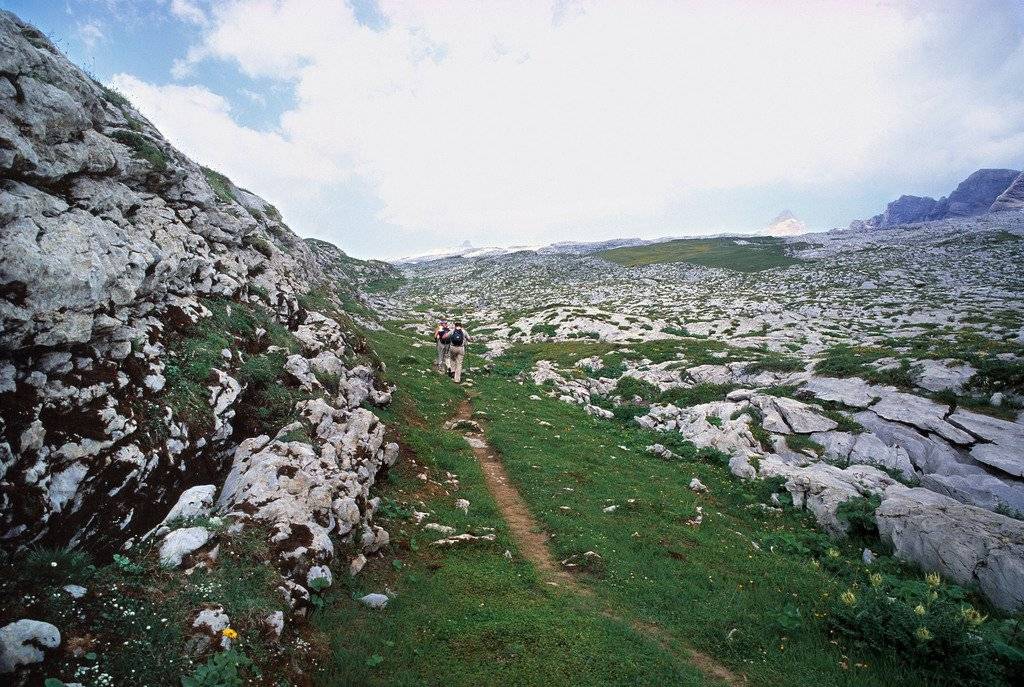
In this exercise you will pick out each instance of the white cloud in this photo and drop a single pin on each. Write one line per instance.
(199, 122)
(90, 33)
(515, 120)
(188, 11)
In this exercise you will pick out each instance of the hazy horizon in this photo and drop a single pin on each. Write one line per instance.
(393, 129)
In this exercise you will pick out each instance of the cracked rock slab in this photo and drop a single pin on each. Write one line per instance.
(925, 414)
(966, 544)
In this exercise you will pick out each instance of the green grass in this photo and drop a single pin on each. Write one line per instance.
(707, 584)
(220, 184)
(137, 613)
(268, 402)
(384, 285)
(771, 613)
(142, 147)
(466, 616)
(756, 255)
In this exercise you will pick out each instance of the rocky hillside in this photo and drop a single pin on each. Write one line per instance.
(975, 195)
(177, 368)
(869, 362)
(1012, 198)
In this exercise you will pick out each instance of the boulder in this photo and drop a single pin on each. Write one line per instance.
(194, 502)
(969, 545)
(180, 543)
(821, 488)
(22, 643)
(375, 601)
(787, 415)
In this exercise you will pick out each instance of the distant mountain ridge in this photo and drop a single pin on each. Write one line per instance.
(976, 195)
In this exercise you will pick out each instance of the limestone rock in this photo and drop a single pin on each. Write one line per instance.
(1012, 198)
(374, 601)
(852, 391)
(984, 491)
(943, 375)
(194, 502)
(822, 488)
(1005, 447)
(967, 544)
(180, 543)
(786, 415)
(925, 414)
(22, 643)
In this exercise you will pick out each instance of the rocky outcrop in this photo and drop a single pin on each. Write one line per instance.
(967, 544)
(158, 325)
(1012, 198)
(977, 194)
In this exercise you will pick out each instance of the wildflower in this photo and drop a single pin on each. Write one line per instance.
(833, 553)
(875, 579)
(815, 563)
(971, 616)
(933, 579)
(923, 633)
(53, 564)
(920, 610)
(229, 633)
(848, 598)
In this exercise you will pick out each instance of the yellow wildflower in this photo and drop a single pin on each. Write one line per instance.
(848, 598)
(920, 610)
(971, 616)
(923, 633)
(815, 563)
(229, 633)
(833, 553)
(933, 579)
(875, 579)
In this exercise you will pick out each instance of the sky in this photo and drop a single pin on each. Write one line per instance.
(392, 128)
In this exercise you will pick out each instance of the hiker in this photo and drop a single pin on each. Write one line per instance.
(441, 332)
(457, 340)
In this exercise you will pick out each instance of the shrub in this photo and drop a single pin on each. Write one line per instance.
(858, 514)
(545, 329)
(114, 97)
(628, 411)
(931, 625)
(263, 246)
(802, 442)
(223, 669)
(142, 147)
(629, 387)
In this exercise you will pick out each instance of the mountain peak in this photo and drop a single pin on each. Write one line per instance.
(785, 224)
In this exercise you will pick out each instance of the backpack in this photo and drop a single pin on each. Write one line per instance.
(457, 337)
(442, 334)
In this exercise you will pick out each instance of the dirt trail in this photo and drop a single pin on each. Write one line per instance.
(532, 543)
(531, 540)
